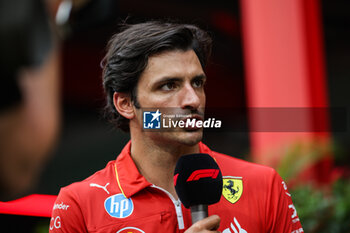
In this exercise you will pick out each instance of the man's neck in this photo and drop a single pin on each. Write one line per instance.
(156, 161)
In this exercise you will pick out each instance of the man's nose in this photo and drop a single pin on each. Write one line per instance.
(189, 98)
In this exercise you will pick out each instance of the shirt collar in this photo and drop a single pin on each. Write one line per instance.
(129, 180)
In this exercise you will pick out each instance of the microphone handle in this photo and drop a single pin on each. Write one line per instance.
(199, 212)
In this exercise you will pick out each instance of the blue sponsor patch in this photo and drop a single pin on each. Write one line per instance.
(118, 206)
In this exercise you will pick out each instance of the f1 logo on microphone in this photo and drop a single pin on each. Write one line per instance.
(203, 173)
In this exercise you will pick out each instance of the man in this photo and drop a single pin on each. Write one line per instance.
(29, 95)
(160, 66)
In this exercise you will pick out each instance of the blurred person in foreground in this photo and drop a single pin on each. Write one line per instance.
(161, 65)
(29, 104)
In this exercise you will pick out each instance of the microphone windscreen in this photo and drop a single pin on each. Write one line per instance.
(198, 180)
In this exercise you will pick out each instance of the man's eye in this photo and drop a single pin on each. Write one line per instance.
(198, 83)
(168, 86)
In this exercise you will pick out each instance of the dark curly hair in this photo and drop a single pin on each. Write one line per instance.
(128, 53)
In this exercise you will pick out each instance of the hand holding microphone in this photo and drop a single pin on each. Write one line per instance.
(209, 224)
(198, 183)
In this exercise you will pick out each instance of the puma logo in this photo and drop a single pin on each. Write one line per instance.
(100, 186)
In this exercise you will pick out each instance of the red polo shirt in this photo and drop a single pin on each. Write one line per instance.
(119, 199)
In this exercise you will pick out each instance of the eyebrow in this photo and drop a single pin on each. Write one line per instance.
(167, 79)
(200, 76)
(177, 79)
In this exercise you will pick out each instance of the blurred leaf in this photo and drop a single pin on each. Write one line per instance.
(323, 209)
(301, 155)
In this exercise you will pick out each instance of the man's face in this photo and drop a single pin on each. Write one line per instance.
(174, 80)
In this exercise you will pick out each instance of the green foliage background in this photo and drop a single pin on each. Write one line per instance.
(323, 210)
(321, 207)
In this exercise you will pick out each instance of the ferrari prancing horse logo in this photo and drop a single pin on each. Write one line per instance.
(232, 188)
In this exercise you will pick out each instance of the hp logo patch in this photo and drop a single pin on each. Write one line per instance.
(118, 206)
(151, 120)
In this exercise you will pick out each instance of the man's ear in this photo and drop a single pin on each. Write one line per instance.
(122, 102)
